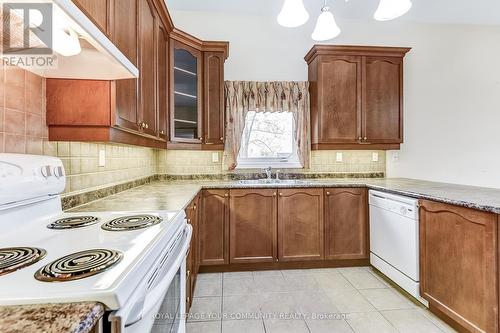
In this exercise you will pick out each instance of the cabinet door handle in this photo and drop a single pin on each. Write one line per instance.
(147, 126)
(142, 125)
(327, 193)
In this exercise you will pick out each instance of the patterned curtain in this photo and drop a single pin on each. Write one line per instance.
(245, 96)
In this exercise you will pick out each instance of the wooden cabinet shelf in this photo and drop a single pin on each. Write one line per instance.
(356, 97)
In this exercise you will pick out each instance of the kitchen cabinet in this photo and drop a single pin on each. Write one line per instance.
(459, 264)
(300, 224)
(144, 111)
(192, 261)
(346, 223)
(253, 225)
(356, 97)
(97, 11)
(213, 103)
(124, 36)
(162, 80)
(147, 61)
(214, 228)
(186, 94)
(197, 93)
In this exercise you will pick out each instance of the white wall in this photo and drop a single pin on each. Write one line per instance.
(452, 84)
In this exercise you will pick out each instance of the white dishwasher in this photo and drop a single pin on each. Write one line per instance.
(394, 239)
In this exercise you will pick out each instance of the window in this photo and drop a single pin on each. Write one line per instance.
(268, 140)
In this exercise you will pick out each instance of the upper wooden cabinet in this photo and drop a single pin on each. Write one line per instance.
(186, 94)
(197, 92)
(178, 97)
(356, 97)
(300, 224)
(459, 264)
(98, 11)
(213, 101)
(346, 223)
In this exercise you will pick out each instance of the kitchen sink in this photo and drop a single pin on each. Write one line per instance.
(272, 181)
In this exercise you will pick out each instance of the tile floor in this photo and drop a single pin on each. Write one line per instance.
(313, 300)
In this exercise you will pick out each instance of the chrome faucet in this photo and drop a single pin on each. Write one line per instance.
(278, 175)
(269, 173)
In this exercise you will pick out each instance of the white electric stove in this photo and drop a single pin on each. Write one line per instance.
(132, 262)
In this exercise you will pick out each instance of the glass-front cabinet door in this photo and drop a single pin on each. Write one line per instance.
(186, 94)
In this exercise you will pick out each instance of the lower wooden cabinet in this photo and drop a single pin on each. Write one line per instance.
(214, 228)
(346, 223)
(300, 224)
(253, 226)
(192, 261)
(459, 264)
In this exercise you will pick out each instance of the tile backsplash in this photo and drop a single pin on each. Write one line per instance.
(186, 162)
(123, 163)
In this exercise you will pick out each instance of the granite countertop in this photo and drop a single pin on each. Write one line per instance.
(176, 195)
(50, 318)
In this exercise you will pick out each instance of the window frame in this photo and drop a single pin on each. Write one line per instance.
(291, 161)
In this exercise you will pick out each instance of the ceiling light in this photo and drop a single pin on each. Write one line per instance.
(326, 27)
(293, 14)
(391, 9)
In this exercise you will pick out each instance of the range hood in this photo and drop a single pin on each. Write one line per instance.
(99, 58)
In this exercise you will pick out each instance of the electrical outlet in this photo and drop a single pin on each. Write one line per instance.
(215, 157)
(102, 157)
(395, 156)
(339, 157)
(374, 157)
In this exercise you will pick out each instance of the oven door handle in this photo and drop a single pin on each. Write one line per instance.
(158, 292)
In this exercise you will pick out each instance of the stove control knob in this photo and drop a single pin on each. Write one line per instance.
(58, 172)
(403, 210)
(46, 171)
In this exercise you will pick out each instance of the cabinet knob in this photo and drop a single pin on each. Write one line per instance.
(142, 125)
(327, 193)
(365, 138)
(221, 138)
(200, 138)
(188, 220)
(226, 194)
(188, 273)
(274, 194)
(147, 126)
(281, 194)
(188, 299)
(162, 132)
(194, 207)
(360, 138)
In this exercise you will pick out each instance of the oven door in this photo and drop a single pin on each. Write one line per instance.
(159, 304)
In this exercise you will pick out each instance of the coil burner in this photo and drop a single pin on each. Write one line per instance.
(131, 222)
(79, 265)
(14, 258)
(73, 222)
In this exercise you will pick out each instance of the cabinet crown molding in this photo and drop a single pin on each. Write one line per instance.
(203, 46)
(352, 50)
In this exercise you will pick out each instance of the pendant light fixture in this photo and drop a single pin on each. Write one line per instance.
(326, 27)
(391, 9)
(293, 14)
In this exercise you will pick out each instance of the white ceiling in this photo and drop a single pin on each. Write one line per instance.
(436, 11)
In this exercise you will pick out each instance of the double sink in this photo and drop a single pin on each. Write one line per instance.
(272, 181)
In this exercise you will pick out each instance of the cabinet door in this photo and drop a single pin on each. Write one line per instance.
(213, 106)
(339, 94)
(459, 264)
(253, 226)
(162, 84)
(186, 92)
(214, 228)
(300, 224)
(346, 223)
(382, 100)
(147, 67)
(124, 36)
(97, 11)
